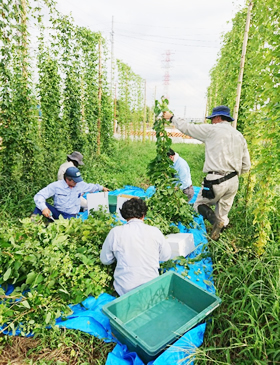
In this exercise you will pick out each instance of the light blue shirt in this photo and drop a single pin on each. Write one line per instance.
(138, 248)
(183, 172)
(66, 199)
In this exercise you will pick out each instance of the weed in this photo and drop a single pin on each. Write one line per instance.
(245, 329)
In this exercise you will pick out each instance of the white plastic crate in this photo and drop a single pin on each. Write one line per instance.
(95, 200)
(182, 244)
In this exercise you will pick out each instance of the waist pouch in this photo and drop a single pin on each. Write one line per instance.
(208, 191)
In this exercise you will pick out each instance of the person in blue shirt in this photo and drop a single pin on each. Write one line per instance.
(183, 173)
(66, 194)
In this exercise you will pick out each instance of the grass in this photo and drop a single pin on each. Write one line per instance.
(245, 329)
(128, 166)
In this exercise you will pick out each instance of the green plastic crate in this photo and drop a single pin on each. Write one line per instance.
(156, 314)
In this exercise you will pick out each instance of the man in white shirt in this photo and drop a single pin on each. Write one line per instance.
(73, 160)
(136, 247)
(226, 157)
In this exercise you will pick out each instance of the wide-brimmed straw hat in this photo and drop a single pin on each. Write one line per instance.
(220, 110)
(76, 156)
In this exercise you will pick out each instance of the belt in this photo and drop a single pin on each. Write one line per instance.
(215, 173)
(222, 179)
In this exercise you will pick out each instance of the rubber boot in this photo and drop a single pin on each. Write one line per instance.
(207, 213)
(210, 215)
(216, 230)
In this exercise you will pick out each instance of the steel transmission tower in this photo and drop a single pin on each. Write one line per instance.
(166, 65)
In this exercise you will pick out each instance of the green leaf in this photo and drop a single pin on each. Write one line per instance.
(48, 317)
(25, 304)
(31, 277)
(208, 282)
(63, 291)
(12, 326)
(7, 274)
(59, 239)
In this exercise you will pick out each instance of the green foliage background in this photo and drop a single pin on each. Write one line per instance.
(55, 96)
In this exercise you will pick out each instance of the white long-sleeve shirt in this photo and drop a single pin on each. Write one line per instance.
(138, 248)
(63, 168)
(225, 147)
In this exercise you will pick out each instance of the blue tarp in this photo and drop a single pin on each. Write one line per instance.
(88, 317)
(200, 273)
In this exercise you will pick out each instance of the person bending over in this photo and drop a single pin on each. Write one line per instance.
(136, 247)
(183, 173)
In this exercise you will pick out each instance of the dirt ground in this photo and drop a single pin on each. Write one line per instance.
(23, 351)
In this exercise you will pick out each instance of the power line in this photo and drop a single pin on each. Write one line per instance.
(174, 44)
(160, 26)
(127, 44)
(175, 38)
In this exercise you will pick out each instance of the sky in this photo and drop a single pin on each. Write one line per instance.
(149, 32)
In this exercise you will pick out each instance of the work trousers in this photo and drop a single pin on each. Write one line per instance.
(189, 192)
(224, 196)
(55, 213)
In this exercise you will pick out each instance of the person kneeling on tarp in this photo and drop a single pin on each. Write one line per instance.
(66, 194)
(137, 248)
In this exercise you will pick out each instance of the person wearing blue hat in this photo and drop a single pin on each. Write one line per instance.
(66, 194)
(226, 157)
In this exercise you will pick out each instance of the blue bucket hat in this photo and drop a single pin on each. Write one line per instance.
(221, 110)
(74, 174)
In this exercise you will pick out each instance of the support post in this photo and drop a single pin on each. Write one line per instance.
(24, 38)
(144, 115)
(115, 110)
(99, 98)
(242, 63)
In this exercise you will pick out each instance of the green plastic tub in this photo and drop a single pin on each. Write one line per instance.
(112, 203)
(156, 314)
